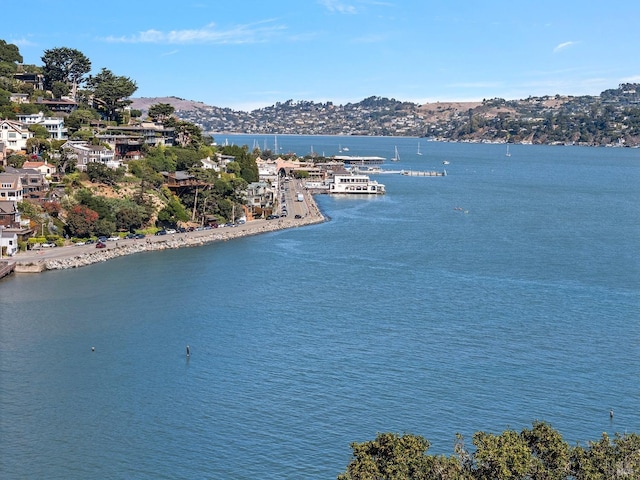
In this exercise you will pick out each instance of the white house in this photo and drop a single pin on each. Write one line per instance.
(54, 125)
(8, 242)
(209, 164)
(14, 135)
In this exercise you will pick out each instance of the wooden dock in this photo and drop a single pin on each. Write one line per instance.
(6, 268)
(417, 173)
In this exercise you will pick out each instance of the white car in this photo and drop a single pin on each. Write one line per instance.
(171, 230)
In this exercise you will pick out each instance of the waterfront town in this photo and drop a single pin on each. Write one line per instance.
(83, 162)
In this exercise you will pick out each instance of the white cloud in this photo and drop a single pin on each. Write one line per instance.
(337, 6)
(563, 46)
(22, 42)
(210, 34)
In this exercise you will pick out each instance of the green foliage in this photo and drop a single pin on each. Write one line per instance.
(9, 53)
(539, 453)
(39, 131)
(66, 65)
(502, 457)
(28, 209)
(79, 118)
(111, 92)
(185, 158)
(98, 172)
(394, 457)
(161, 111)
(60, 89)
(246, 161)
(173, 212)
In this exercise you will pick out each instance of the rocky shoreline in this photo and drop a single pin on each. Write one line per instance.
(67, 257)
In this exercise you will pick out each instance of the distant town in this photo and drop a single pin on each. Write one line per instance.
(610, 119)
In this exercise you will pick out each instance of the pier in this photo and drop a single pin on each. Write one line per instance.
(417, 173)
(6, 268)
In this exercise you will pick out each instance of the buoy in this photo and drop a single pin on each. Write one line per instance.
(188, 351)
(611, 414)
(93, 349)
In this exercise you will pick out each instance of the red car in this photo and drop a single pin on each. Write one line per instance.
(101, 245)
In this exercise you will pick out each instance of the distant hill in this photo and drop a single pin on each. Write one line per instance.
(143, 103)
(612, 118)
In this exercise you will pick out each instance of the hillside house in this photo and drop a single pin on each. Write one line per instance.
(54, 125)
(85, 153)
(14, 135)
(11, 187)
(260, 196)
(35, 186)
(9, 215)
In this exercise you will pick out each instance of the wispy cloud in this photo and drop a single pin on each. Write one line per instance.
(22, 42)
(172, 52)
(210, 34)
(337, 6)
(563, 46)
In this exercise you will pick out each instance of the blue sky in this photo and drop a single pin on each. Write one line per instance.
(246, 54)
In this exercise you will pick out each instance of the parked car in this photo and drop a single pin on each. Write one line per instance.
(101, 245)
(171, 230)
(298, 216)
(160, 232)
(139, 235)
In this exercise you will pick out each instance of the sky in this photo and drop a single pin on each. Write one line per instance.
(248, 54)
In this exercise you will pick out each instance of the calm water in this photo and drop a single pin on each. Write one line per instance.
(403, 313)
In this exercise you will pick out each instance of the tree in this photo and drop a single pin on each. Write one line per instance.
(9, 53)
(66, 65)
(173, 212)
(111, 92)
(81, 221)
(59, 89)
(551, 452)
(161, 111)
(80, 118)
(502, 457)
(99, 172)
(394, 457)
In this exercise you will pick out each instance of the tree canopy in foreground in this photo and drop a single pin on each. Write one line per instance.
(538, 453)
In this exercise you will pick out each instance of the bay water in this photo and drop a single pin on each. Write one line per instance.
(504, 293)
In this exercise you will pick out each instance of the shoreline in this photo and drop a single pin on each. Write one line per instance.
(72, 256)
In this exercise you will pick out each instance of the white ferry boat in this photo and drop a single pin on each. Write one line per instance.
(355, 184)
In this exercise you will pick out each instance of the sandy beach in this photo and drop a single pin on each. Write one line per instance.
(74, 256)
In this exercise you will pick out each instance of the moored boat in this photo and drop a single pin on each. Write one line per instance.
(355, 184)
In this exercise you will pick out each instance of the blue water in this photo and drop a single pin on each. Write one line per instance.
(506, 292)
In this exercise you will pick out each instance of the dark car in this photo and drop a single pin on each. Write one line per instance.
(101, 245)
(298, 216)
(161, 232)
(139, 235)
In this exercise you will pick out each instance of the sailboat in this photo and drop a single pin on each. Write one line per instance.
(419, 149)
(507, 154)
(396, 156)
